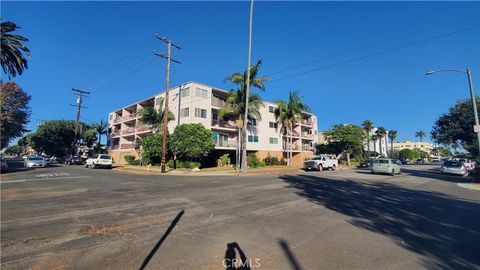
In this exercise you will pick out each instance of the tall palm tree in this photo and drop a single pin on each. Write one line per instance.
(150, 116)
(420, 134)
(368, 127)
(12, 50)
(288, 115)
(240, 79)
(392, 135)
(374, 139)
(101, 128)
(381, 133)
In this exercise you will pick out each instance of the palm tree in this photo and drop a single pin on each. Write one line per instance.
(101, 128)
(288, 115)
(240, 79)
(368, 127)
(392, 135)
(374, 139)
(150, 116)
(381, 133)
(420, 134)
(13, 50)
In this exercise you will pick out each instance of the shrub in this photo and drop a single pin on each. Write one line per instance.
(184, 164)
(272, 161)
(254, 162)
(130, 159)
(224, 160)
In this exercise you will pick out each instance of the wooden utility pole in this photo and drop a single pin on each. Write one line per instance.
(165, 110)
(80, 95)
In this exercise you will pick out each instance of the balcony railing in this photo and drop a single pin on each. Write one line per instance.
(115, 147)
(124, 118)
(217, 102)
(308, 148)
(115, 134)
(229, 144)
(307, 135)
(126, 146)
(130, 130)
(307, 123)
(144, 128)
(222, 123)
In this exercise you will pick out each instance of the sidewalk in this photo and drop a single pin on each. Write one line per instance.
(215, 171)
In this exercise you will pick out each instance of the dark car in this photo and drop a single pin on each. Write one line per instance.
(366, 163)
(74, 160)
(3, 164)
(403, 161)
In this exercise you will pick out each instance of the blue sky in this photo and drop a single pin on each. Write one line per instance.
(106, 48)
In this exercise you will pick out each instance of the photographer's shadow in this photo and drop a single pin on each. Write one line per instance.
(231, 262)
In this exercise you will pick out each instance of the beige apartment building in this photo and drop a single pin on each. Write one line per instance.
(194, 102)
(425, 146)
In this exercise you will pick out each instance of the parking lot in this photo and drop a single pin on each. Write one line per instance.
(69, 217)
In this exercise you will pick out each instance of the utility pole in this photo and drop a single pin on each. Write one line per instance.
(244, 164)
(475, 112)
(80, 95)
(165, 112)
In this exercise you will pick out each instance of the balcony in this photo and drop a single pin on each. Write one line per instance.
(293, 134)
(115, 147)
(307, 123)
(141, 129)
(223, 144)
(217, 102)
(128, 131)
(115, 134)
(223, 124)
(308, 148)
(126, 146)
(308, 136)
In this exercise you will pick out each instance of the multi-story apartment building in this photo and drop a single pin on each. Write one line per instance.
(194, 102)
(424, 146)
(379, 147)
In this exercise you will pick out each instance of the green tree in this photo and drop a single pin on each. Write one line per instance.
(392, 135)
(350, 137)
(368, 127)
(192, 142)
(441, 151)
(420, 135)
(14, 150)
(100, 128)
(89, 137)
(15, 112)
(381, 133)
(152, 148)
(54, 137)
(374, 139)
(235, 104)
(150, 116)
(455, 128)
(409, 154)
(12, 50)
(288, 115)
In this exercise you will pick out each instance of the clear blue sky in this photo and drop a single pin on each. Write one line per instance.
(106, 48)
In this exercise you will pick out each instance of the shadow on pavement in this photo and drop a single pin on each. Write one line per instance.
(444, 230)
(162, 239)
(231, 262)
(291, 258)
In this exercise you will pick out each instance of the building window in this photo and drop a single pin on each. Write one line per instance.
(252, 138)
(184, 112)
(273, 140)
(253, 122)
(273, 125)
(271, 109)
(199, 92)
(185, 92)
(201, 113)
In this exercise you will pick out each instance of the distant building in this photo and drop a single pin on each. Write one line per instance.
(424, 146)
(380, 147)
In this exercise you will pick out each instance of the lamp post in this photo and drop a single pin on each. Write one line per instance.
(472, 94)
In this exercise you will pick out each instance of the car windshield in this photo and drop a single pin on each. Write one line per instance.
(382, 161)
(105, 157)
(317, 158)
(453, 164)
(35, 158)
(367, 161)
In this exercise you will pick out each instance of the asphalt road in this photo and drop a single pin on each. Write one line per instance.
(69, 217)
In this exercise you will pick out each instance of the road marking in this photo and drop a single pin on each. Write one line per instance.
(51, 174)
(44, 179)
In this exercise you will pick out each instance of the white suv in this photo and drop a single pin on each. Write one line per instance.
(98, 161)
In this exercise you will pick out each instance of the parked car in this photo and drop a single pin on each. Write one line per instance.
(366, 163)
(74, 160)
(385, 165)
(454, 167)
(469, 164)
(320, 163)
(436, 160)
(419, 161)
(398, 161)
(3, 165)
(98, 161)
(35, 161)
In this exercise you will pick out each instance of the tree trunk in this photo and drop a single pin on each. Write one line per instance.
(375, 148)
(391, 148)
(380, 146)
(244, 149)
(291, 144)
(368, 147)
(348, 158)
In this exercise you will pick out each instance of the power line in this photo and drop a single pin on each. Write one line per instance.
(378, 53)
(80, 94)
(372, 44)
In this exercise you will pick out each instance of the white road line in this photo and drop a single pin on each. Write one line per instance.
(42, 179)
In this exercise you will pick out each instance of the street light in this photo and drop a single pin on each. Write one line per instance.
(472, 94)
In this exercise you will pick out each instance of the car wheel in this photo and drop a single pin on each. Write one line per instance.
(320, 167)
(94, 166)
(334, 168)
(372, 172)
(399, 171)
(86, 165)
(393, 173)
